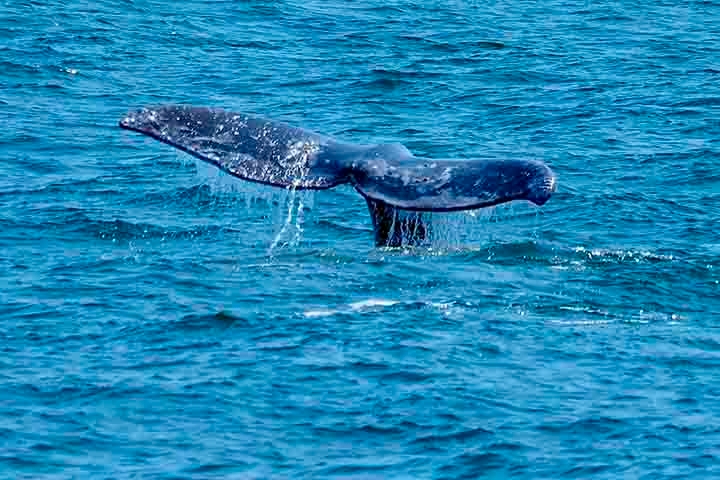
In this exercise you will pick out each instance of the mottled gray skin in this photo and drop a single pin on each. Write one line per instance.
(388, 176)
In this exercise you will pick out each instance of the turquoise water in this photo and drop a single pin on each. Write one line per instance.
(163, 320)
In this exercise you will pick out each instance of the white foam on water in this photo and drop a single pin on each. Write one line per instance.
(371, 303)
(320, 313)
(609, 318)
(623, 255)
(448, 309)
(361, 306)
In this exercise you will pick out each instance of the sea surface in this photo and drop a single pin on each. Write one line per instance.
(160, 319)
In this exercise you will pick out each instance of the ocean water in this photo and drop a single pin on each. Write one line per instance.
(162, 320)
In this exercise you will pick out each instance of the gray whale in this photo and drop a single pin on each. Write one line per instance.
(392, 180)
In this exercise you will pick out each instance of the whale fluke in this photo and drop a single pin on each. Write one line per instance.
(388, 176)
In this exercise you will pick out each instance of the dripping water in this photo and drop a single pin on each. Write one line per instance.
(283, 210)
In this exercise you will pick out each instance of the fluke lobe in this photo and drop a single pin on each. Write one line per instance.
(392, 180)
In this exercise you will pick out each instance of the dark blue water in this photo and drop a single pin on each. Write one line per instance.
(162, 320)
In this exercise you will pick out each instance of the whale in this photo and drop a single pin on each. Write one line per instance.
(398, 187)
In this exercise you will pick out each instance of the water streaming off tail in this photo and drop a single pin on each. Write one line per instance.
(284, 210)
(475, 227)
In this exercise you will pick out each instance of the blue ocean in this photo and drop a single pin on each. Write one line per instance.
(162, 319)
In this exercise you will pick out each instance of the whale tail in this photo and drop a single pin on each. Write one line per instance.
(389, 177)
